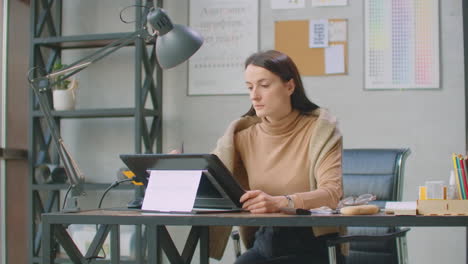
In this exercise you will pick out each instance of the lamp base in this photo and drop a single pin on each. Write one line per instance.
(71, 205)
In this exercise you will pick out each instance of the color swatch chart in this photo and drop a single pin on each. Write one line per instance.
(401, 44)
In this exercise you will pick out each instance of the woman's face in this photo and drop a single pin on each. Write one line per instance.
(270, 96)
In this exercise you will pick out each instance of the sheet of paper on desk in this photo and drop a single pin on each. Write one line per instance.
(401, 208)
(171, 190)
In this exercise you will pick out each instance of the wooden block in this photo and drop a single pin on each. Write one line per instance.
(443, 207)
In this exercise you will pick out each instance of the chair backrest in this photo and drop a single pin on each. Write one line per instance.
(379, 172)
(376, 171)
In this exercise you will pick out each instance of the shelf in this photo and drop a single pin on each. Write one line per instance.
(86, 187)
(45, 51)
(98, 113)
(82, 41)
(11, 153)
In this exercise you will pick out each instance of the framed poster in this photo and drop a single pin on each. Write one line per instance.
(230, 30)
(401, 44)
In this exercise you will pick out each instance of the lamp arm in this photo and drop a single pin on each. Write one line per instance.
(103, 52)
(41, 85)
(73, 172)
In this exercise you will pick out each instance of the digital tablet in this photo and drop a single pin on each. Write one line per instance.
(217, 189)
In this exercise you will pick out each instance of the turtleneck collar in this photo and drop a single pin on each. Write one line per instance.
(282, 126)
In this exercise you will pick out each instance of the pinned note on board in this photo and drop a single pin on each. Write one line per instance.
(293, 38)
(318, 33)
(287, 4)
(317, 3)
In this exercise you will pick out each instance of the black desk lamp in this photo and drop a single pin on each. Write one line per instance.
(174, 45)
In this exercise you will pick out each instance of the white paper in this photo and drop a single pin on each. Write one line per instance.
(287, 4)
(329, 2)
(334, 59)
(172, 190)
(318, 33)
(401, 208)
(337, 31)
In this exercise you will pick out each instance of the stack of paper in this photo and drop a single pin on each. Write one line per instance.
(401, 208)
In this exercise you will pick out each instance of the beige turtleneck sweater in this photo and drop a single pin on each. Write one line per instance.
(275, 155)
(323, 175)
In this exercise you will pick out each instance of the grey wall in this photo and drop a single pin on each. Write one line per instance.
(2, 175)
(430, 122)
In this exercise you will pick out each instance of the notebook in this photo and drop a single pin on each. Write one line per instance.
(218, 191)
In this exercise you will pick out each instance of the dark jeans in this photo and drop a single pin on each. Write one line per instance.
(291, 245)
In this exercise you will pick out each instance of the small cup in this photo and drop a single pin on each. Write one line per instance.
(435, 189)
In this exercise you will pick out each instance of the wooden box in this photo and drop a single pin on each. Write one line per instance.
(443, 207)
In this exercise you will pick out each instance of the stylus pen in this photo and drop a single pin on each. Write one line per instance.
(300, 211)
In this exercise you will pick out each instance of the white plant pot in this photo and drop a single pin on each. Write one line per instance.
(64, 99)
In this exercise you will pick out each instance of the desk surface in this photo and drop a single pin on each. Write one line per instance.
(132, 217)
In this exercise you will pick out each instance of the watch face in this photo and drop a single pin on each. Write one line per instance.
(290, 201)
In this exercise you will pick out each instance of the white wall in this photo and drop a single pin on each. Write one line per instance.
(430, 122)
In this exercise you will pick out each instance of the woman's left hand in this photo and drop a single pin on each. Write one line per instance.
(258, 202)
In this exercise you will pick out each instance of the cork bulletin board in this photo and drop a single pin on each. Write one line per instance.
(292, 38)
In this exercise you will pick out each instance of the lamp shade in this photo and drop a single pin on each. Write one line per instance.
(177, 46)
(175, 43)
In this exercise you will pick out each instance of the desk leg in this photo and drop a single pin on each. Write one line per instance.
(159, 239)
(47, 240)
(204, 245)
(115, 244)
(98, 240)
(64, 239)
(140, 244)
(154, 247)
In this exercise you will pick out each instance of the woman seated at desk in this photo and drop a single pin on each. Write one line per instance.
(287, 152)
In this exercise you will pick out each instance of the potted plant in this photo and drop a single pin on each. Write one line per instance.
(63, 91)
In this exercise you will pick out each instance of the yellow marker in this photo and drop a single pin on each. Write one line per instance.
(130, 174)
(422, 193)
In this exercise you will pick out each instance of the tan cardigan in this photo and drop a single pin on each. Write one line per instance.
(324, 137)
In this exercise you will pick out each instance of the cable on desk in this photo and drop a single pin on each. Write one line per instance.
(66, 195)
(115, 184)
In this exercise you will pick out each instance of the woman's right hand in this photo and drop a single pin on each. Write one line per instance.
(175, 151)
(259, 202)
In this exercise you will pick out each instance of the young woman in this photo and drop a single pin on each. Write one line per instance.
(286, 151)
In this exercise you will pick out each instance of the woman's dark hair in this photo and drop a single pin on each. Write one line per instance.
(282, 65)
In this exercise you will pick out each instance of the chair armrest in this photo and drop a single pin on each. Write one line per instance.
(343, 239)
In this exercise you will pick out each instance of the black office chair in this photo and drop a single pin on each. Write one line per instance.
(379, 172)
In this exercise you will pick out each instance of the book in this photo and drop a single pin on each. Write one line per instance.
(457, 177)
(462, 171)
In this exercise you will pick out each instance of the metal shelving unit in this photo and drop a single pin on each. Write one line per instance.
(47, 44)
